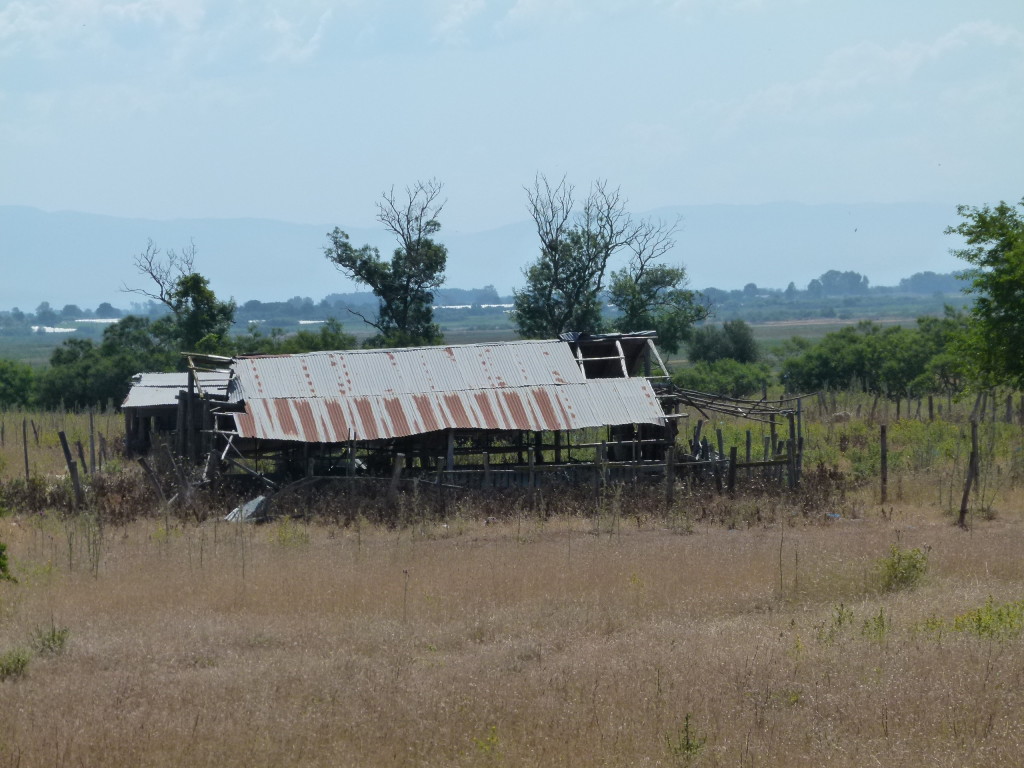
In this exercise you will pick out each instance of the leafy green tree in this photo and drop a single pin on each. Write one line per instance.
(82, 373)
(565, 286)
(892, 361)
(404, 285)
(198, 320)
(994, 248)
(45, 314)
(73, 376)
(836, 283)
(733, 340)
(17, 381)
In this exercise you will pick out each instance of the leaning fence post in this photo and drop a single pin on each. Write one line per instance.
(72, 468)
(972, 472)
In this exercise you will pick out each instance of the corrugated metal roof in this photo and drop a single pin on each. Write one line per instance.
(379, 417)
(332, 397)
(156, 390)
(413, 370)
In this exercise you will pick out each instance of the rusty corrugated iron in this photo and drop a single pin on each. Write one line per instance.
(593, 403)
(332, 397)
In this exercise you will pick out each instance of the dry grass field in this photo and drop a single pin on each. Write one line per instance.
(524, 643)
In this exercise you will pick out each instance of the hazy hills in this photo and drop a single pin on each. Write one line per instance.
(77, 258)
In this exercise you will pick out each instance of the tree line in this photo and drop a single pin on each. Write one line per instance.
(567, 288)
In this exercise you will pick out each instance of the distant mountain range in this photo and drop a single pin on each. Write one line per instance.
(78, 258)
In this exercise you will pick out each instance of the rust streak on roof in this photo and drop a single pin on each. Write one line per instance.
(425, 409)
(304, 411)
(396, 415)
(514, 404)
(284, 416)
(336, 418)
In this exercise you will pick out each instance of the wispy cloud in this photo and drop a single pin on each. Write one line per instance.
(48, 27)
(294, 39)
(854, 77)
(456, 16)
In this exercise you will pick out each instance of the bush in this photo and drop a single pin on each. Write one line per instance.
(902, 568)
(724, 377)
(5, 568)
(14, 663)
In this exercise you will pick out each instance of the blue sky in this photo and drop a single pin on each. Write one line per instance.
(305, 111)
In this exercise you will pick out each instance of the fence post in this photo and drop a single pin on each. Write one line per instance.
(791, 450)
(883, 430)
(92, 443)
(72, 469)
(24, 440)
(396, 476)
(972, 472)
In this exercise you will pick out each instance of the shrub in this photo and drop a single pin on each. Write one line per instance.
(992, 620)
(726, 377)
(13, 663)
(51, 640)
(902, 568)
(5, 568)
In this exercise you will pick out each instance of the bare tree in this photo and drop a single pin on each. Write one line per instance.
(564, 287)
(416, 218)
(164, 270)
(404, 284)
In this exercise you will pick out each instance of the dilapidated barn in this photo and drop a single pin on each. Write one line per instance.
(429, 409)
(515, 413)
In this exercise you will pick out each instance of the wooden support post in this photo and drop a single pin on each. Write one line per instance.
(488, 480)
(558, 446)
(192, 428)
(396, 476)
(532, 476)
(449, 461)
(884, 469)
